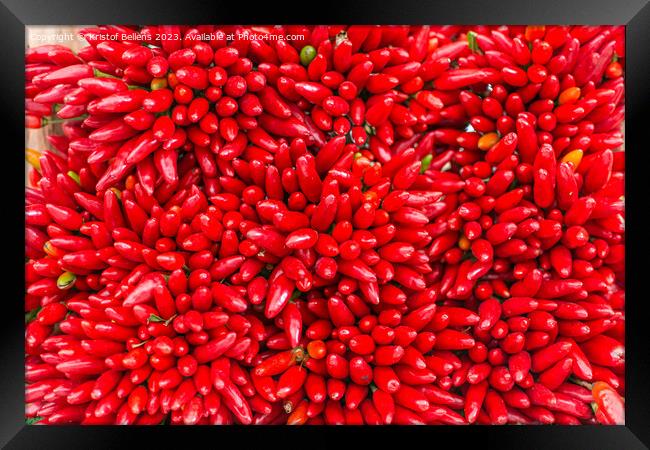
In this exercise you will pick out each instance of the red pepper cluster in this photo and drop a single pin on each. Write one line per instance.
(368, 225)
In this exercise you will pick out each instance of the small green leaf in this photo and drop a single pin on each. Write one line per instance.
(100, 74)
(29, 316)
(426, 163)
(158, 319)
(72, 174)
(33, 420)
(472, 42)
(155, 318)
(579, 382)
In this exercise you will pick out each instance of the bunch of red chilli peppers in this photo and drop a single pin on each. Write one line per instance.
(361, 225)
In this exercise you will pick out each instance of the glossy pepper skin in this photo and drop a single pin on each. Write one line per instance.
(610, 407)
(369, 225)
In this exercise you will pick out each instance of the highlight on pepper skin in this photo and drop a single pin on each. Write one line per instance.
(341, 225)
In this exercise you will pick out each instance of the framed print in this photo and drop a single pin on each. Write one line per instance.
(391, 219)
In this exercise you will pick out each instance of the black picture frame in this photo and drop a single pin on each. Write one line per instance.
(16, 14)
